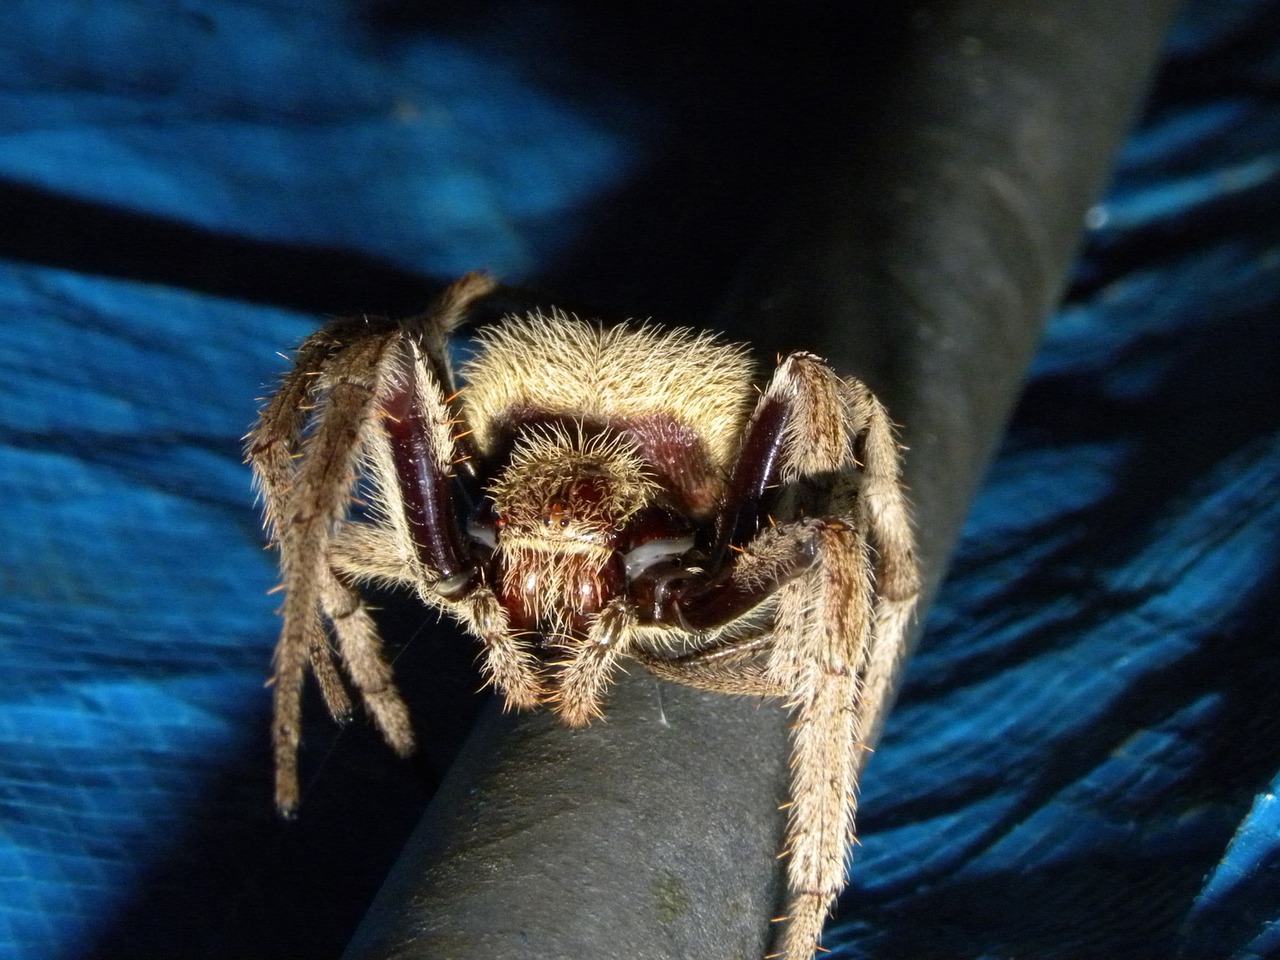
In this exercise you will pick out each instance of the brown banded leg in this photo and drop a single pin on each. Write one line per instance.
(421, 445)
(823, 632)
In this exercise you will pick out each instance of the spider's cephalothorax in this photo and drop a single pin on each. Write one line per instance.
(563, 511)
(593, 494)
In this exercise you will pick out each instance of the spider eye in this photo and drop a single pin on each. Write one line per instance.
(555, 514)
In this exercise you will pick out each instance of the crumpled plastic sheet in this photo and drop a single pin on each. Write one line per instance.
(1085, 757)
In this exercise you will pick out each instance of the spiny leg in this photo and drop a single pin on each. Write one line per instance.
(840, 630)
(417, 537)
(306, 507)
(432, 329)
(363, 552)
(369, 553)
(430, 334)
(272, 445)
(731, 667)
(841, 457)
(836, 640)
(883, 513)
(360, 648)
(330, 682)
(505, 661)
(591, 662)
(825, 624)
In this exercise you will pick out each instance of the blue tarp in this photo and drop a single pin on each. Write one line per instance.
(1085, 758)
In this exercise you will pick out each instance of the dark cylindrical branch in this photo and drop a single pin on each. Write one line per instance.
(924, 258)
(920, 254)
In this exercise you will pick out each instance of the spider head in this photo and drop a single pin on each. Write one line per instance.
(561, 502)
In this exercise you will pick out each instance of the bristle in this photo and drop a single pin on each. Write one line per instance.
(564, 367)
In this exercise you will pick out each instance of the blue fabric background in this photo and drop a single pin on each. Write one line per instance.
(1085, 759)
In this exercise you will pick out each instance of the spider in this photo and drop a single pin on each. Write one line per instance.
(595, 494)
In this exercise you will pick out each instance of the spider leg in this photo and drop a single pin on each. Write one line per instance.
(360, 648)
(839, 623)
(883, 513)
(418, 447)
(305, 500)
(369, 553)
(273, 443)
(506, 663)
(823, 637)
(592, 660)
(350, 373)
(417, 539)
(841, 630)
(732, 667)
(364, 552)
(431, 330)
(330, 682)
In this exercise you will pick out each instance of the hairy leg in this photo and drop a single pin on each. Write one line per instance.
(819, 654)
(589, 666)
(732, 667)
(842, 630)
(506, 661)
(355, 380)
(840, 621)
(306, 482)
(360, 648)
(881, 510)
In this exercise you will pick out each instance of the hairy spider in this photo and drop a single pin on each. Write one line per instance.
(594, 494)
